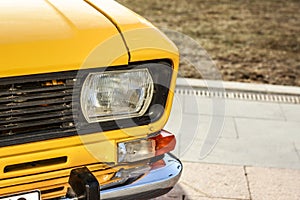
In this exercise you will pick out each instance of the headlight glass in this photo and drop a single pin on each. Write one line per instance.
(112, 95)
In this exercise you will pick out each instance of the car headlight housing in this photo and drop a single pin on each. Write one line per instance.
(120, 96)
(113, 95)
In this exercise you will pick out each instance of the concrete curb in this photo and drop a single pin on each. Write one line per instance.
(264, 88)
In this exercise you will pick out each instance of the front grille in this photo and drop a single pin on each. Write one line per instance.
(36, 106)
(47, 106)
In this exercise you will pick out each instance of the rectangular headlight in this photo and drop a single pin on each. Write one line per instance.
(113, 95)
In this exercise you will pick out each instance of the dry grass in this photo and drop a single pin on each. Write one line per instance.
(250, 40)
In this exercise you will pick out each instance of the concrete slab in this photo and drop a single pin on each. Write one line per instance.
(195, 128)
(271, 131)
(291, 112)
(215, 181)
(247, 152)
(268, 183)
(199, 125)
(255, 134)
(253, 109)
(208, 198)
(191, 197)
(233, 108)
(183, 191)
(198, 105)
(210, 181)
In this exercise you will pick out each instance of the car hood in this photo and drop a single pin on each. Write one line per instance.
(143, 40)
(48, 36)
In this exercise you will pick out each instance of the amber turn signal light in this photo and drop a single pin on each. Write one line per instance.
(164, 142)
(144, 148)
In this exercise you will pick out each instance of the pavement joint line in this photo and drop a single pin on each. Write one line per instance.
(282, 111)
(247, 180)
(195, 189)
(297, 152)
(235, 128)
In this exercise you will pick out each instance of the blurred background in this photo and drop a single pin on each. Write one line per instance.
(250, 40)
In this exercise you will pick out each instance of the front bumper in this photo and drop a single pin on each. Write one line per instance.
(157, 182)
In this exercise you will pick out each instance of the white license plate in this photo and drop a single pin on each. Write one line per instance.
(32, 195)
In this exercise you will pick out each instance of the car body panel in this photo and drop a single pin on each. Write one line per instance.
(59, 35)
(73, 35)
(144, 41)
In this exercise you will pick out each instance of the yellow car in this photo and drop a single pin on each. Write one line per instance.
(86, 89)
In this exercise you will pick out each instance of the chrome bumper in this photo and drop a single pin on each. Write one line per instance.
(161, 179)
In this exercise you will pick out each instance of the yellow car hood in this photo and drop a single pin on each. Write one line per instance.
(40, 36)
(47, 36)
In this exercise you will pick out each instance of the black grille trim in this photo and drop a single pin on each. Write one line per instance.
(36, 107)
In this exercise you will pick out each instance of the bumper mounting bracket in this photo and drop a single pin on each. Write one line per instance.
(84, 184)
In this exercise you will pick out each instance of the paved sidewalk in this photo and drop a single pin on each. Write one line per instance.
(255, 133)
(259, 130)
(202, 181)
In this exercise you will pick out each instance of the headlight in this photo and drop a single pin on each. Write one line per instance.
(113, 95)
(120, 96)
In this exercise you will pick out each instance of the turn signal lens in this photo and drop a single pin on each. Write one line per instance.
(164, 142)
(141, 149)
